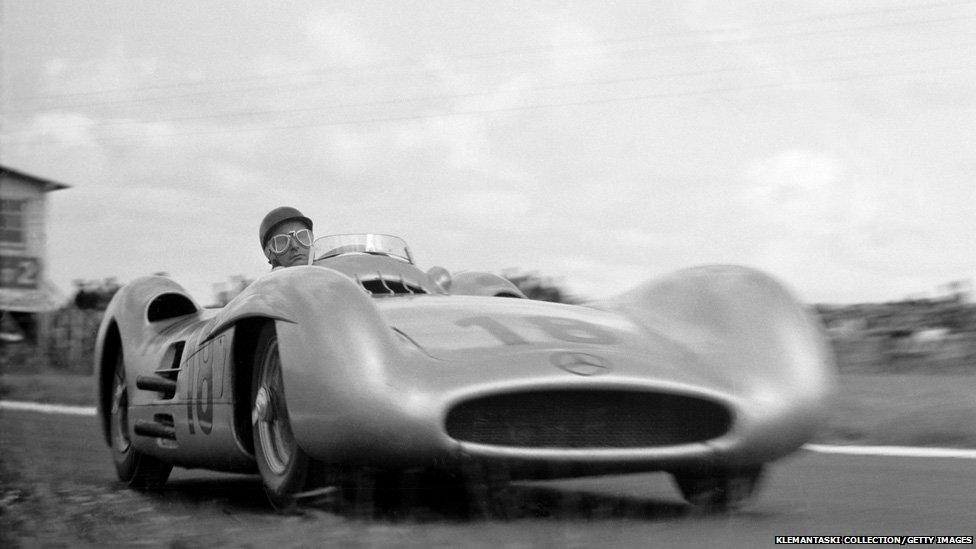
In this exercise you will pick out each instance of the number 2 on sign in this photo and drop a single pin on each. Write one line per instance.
(563, 329)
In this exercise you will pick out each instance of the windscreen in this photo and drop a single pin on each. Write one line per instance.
(380, 244)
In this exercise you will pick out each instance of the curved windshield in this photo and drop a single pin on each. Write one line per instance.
(381, 244)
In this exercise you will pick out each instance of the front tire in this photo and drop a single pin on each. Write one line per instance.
(283, 465)
(134, 468)
(719, 491)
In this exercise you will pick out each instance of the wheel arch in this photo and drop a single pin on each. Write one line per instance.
(245, 344)
(304, 303)
(748, 326)
(109, 348)
(484, 284)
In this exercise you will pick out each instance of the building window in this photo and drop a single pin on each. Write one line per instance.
(12, 226)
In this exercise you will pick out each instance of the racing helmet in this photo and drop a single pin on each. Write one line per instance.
(276, 217)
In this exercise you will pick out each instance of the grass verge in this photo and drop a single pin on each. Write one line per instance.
(54, 388)
(903, 410)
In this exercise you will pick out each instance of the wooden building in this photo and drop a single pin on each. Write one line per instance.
(24, 290)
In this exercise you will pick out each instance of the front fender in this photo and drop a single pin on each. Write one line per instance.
(483, 284)
(337, 357)
(126, 323)
(746, 323)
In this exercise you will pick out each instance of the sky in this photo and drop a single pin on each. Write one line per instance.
(829, 143)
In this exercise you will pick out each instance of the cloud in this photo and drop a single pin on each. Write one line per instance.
(605, 195)
(839, 229)
(719, 22)
(462, 142)
(491, 208)
(576, 49)
(810, 193)
(339, 38)
(115, 69)
(55, 67)
(66, 128)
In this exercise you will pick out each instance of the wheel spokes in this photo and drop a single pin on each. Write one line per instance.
(270, 415)
(120, 411)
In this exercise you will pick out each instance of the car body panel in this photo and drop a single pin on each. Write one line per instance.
(376, 355)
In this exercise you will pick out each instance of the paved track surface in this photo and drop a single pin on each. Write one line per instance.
(59, 487)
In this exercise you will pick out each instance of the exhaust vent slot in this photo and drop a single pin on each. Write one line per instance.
(162, 426)
(164, 380)
(155, 383)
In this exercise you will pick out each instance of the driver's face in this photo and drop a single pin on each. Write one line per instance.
(295, 254)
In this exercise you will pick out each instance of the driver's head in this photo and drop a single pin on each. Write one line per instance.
(286, 236)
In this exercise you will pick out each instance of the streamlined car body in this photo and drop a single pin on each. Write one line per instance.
(360, 360)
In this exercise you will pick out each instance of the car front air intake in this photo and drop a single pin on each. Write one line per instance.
(587, 419)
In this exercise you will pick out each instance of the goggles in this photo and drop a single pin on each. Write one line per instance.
(280, 242)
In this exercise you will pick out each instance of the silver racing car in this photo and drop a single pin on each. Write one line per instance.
(361, 361)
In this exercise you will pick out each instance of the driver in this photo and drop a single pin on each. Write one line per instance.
(286, 236)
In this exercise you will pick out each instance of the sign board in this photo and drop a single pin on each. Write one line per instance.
(18, 272)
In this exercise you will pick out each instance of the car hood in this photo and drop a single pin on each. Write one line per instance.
(527, 338)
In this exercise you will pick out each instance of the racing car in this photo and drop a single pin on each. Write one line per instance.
(361, 361)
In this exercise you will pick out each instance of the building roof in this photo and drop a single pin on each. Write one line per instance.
(47, 184)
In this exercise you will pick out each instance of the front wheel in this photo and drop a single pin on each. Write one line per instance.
(719, 491)
(134, 468)
(283, 465)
